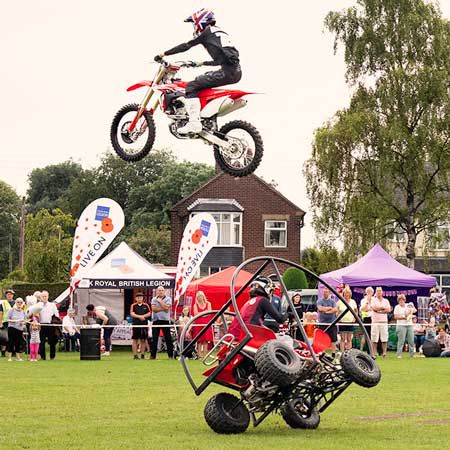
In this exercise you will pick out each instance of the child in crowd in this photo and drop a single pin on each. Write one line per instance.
(35, 340)
(309, 325)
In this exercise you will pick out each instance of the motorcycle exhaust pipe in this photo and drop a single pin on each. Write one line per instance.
(230, 105)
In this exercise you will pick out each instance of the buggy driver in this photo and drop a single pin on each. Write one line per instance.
(255, 309)
(223, 53)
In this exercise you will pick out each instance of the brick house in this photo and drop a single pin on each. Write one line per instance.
(253, 218)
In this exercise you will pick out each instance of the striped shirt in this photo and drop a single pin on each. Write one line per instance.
(35, 338)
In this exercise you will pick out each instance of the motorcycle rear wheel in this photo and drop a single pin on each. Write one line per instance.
(119, 138)
(239, 163)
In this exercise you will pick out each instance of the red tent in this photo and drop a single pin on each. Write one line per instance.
(217, 287)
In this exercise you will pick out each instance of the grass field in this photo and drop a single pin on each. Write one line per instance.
(118, 403)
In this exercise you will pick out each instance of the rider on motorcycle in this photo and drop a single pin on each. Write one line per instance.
(255, 309)
(217, 44)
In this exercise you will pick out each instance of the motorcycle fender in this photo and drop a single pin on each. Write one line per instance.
(213, 107)
(144, 83)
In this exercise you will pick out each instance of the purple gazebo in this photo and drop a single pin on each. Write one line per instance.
(378, 268)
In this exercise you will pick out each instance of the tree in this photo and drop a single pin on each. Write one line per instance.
(321, 260)
(117, 177)
(153, 244)
(9, 228)
(150, 204)
(82, 191)
(384, 161)
(48, 184)
(294, 278)
(48, 246)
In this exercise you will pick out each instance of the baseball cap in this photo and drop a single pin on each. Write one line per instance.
(10, 291)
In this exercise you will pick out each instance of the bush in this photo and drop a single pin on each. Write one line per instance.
(294, 278)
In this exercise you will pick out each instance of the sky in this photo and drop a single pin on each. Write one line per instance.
(66, 66)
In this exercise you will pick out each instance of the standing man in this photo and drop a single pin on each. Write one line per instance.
(161, 316)
(327, 309)
(380, 307)
(140, 312)
(5, 306)
(277, 305)
(103, 317)
(49, 310)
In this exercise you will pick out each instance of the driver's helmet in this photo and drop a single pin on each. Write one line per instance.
(201, 19)
(261, 286)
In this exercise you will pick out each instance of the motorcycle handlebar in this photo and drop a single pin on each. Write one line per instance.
(165, 63)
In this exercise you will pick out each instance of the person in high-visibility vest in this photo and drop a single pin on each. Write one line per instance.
(5, 306)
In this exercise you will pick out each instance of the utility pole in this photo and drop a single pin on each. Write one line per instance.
(22, 235)
(10, 254)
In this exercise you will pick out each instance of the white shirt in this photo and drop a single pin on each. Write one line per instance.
(48, 310)
(68, 324)
(364, 302)
(403, 311)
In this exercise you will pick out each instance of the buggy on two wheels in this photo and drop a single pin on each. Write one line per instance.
(296, 378)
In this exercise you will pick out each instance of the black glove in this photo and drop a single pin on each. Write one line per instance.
(158, 58)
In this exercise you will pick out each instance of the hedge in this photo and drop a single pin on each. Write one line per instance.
(295, 279)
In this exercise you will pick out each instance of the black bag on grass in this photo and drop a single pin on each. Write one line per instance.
(431, 348)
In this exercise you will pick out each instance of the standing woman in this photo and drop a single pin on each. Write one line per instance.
(366, 314)
(16, 322)
(201, 305)
(299, 308)
(346, 327)
(403, 314)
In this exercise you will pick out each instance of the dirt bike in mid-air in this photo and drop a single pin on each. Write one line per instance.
(238, 147)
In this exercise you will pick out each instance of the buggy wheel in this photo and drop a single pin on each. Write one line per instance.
(277, 363)
(360, 368)
(297, 415)
(225, 414)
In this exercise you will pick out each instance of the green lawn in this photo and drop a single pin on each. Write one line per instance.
(118, 403)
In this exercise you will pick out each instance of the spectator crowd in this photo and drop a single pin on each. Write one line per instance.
(30, 329)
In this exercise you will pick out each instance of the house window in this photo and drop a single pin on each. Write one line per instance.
(229, 228)
(275, 233)
(443, 282)
(423, 312)
(440, 239)
(396, 234)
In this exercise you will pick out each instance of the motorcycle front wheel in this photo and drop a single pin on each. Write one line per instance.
(246, 151)
(132, 145)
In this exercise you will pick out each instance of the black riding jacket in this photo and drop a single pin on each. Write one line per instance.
(254, 311)
(217, 44)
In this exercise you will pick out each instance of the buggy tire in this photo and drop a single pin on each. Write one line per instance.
(259, 149)
(278, 363)
(297, 420)
(132, 157)
(360, 368)
(221, 417)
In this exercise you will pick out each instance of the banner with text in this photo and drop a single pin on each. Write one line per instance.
(98, 225)
(199, 237)
(130, 284)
